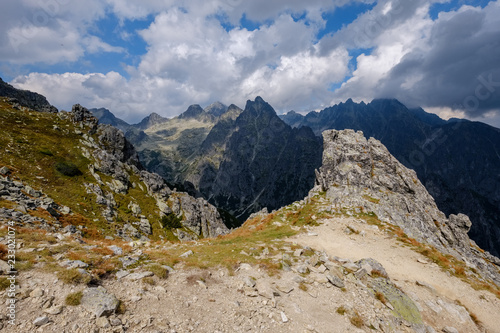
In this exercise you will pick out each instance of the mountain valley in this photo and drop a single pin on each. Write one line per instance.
(103, 245)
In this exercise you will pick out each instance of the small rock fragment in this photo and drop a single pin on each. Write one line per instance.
(41, 321)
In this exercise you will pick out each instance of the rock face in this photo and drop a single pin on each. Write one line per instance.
(455, 160)
(361, 173)
(265, 163)
(26, 98)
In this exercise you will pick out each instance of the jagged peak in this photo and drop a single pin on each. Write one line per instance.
(259, 106)
(192, 111)
(151, 120)
(216, 109)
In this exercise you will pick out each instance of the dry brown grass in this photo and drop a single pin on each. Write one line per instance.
(356, 320)
(74, 299)
(73, 276)
(380, 297)
(3, 251)
(341, 310)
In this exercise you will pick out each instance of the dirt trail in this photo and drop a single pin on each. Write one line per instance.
(401, 263)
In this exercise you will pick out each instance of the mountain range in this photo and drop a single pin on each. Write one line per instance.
(224, 155)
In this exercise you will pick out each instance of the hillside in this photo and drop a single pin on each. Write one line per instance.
(89, 175)
(344, 259)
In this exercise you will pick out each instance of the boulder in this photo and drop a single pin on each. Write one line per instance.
(99, 302)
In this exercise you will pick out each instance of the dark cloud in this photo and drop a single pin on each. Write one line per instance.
(459, 66)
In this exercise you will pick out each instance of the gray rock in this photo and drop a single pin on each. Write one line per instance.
(449, 329)
(350, 266)
(186, 254)
(117, 251)
(138, 276)
(298, 252)
(145, 226)
(121, 274)
(41, 321)
(302, 269)
(99, 302)
(102, 322)
(4, 170)
(4, 267)
(54, 310)
(335, 280)
(65, 210)
(128, 261)
(136, 210)
(115, 322)
(37, 292)
(249, 281)
(198, 215)
(372, 267)
(361, 174)
(74, 264)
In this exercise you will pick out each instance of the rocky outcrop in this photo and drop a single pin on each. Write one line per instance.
(361, 174)
(26, 98)
(457, 161)
(197, 215)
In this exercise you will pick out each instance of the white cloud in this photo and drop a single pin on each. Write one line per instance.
(94, 44)
(192, 58)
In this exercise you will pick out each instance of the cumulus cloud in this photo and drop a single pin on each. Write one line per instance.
(197, 52)
(447, 64)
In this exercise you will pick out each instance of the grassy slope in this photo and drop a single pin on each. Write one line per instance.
(32, 148)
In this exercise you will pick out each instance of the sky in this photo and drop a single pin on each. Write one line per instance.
(135, 57)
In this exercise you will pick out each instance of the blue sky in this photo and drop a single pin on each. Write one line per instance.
(137, 57)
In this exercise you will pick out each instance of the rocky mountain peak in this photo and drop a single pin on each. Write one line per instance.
(259, 107)
(216, 109)
(150, 121)
(193, 111)
(361, 174)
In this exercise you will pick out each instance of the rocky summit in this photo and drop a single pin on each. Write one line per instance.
(102, 245)
(361, 173)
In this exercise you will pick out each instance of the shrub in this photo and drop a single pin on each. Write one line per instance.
(68, 169)
(73, 276)
(341, 310)
(149, 280)
(171, 221)
(356, 320)
(159, 271)
(74, 299)
(4, 283)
